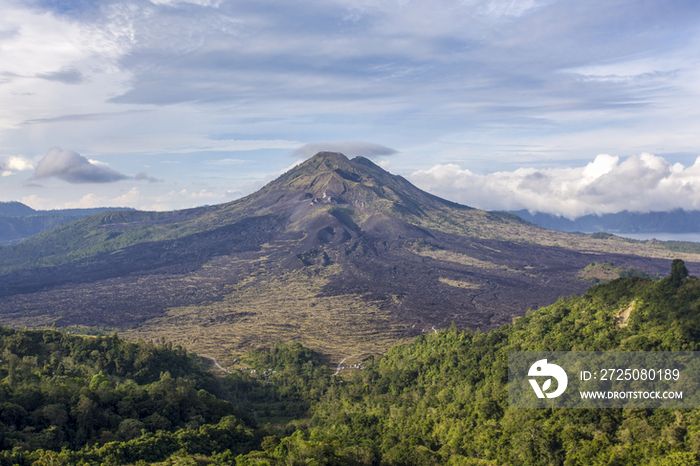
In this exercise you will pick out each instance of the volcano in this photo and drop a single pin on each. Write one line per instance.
(337, 254)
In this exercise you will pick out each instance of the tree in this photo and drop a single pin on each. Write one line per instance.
(678, 272)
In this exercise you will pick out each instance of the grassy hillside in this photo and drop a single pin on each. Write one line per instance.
(18, 221)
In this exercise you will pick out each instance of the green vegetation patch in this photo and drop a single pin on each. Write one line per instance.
(603, 272)
(440, 400)
(687, 247)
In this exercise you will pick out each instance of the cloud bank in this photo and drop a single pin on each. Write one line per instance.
(641, 183)
(133, 198)
(348, 148)
(72, 167)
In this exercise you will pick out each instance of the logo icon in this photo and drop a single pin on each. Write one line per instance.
(542, 369)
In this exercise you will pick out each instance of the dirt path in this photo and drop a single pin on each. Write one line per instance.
(340, 364)
(217, 364)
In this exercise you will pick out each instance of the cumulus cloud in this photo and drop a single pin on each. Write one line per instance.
(19, 164)
(348, 148)
(72, 167)
(38, 203)
(14, 164)
(641, 183)
(180, 199)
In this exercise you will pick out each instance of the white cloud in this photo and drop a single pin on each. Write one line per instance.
(98, 163)
(175, 199)
(130, 199)
(53, 65)
(385, 164)
(86, 202)
(19, 164)
(641, 183)
(39, 203)
(13, 164)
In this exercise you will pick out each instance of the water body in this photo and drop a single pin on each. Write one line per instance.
(694, 237)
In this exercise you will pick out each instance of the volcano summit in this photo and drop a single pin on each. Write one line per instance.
(337, 254)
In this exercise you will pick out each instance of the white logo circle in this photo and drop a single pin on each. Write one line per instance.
(542, 369)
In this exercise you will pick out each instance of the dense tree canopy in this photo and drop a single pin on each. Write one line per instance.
(439, 400)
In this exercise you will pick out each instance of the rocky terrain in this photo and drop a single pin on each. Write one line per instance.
(337, 254)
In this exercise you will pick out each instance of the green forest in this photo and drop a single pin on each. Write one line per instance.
(439, 400)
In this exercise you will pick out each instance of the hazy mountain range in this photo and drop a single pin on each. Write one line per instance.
(676, 221)
(337, 254)
(19, 221)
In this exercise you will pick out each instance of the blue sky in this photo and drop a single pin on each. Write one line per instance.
(563, 106)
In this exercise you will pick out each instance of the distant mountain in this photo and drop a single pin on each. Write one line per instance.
(15, 208)
(675, 221)
(336, 254)
(19, 221)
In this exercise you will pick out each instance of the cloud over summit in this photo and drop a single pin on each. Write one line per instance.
(347, 148)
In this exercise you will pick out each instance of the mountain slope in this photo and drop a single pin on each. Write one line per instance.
(337, 254)
(18, 221)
